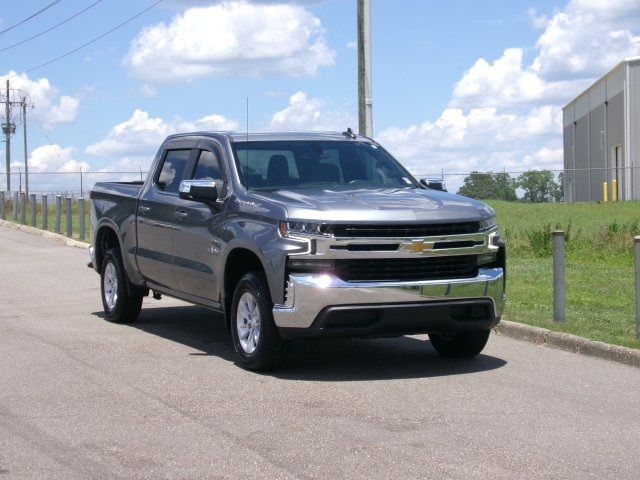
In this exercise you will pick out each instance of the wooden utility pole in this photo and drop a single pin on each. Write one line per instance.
(365, 100)
(26, 154)
(6, 127)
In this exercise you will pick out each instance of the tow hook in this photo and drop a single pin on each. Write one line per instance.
(157, 295)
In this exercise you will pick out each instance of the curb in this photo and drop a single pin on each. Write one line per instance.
(570, 343)
(70, 242)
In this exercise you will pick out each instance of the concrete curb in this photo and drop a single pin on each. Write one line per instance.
(70, 242)
(570, 343)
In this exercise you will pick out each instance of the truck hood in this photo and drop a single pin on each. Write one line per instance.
(384, 205)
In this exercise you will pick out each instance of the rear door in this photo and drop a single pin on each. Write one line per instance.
(197, 229)
(156, 210)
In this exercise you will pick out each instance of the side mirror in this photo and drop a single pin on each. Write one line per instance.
(434, 184)
(199, 190)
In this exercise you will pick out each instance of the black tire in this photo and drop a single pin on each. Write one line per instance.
(123, 308)
(460, 344)
(270, 350)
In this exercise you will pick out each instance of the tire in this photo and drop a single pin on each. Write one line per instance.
(256, 339)
(118, 306)
(460, 344)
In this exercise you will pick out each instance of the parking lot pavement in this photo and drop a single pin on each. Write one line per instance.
(162, 398)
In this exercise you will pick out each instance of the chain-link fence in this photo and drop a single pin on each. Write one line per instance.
(534, 185)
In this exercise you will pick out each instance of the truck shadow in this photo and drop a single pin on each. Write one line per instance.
(320, 360)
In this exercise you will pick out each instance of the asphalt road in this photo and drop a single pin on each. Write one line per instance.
(84, 398)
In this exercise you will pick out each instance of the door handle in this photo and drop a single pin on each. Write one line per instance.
(181, 214)
(144, 209)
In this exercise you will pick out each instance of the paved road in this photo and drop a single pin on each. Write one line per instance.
(83, 398)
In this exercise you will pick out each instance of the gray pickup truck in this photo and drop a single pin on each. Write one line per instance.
(299, 235)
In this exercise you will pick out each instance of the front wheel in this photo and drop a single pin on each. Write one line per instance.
(119, 307)
(460, 344)
(256, 339)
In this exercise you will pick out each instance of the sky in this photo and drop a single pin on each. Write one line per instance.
(458, 86)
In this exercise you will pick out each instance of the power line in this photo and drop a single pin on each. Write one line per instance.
(46, 7)
(92, 40)
(51, 28)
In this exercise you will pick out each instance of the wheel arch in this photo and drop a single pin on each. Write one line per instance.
(238, 262)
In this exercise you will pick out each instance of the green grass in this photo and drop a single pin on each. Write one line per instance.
(600, 266)
(75, 217)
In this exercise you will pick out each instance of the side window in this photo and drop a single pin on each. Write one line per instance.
(173, 168)
(209, 167)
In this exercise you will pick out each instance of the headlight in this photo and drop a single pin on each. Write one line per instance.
(305, 229)
(488, 224)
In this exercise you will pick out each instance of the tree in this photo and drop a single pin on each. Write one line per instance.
(539, 186)
(489, 186)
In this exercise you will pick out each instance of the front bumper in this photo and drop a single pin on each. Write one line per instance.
(325, 305)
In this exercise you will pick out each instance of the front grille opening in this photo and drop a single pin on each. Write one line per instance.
(368, 247)
(352, 318)
(470, 313)
(402, 269)
(458, 244)
(404, 230)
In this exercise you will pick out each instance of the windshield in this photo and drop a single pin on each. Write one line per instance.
(350, 164)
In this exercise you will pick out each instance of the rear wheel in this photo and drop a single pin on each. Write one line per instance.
(119, 307)
(460, 344)
(256, 339)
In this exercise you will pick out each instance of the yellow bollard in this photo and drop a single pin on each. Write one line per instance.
(614, 193)
(605, 191)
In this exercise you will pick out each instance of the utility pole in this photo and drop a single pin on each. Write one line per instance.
(365, 100)
(6, 127)
(26, 155)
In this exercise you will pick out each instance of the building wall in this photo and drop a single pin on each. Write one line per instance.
(633, 131)
(594, 124)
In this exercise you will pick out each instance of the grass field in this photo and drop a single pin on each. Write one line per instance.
(600, 266)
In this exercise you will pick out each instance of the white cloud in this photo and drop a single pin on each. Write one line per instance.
(353, 45)
(231, 38)
(142, 134)
(148, 90)
(467, 139)
(50, 107)
(53, 158)
(304, 113)
(577, 45)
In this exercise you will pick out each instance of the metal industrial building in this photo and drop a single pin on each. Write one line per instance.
(602, 138)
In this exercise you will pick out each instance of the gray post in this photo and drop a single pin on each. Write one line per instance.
(45, 212)
(34, 206)
(15, 206)
(81, 206)
(58, 212)
(3, 207)
(636, 241)
(23, 208)
(559, 285)
(365, 101)
(69, 218)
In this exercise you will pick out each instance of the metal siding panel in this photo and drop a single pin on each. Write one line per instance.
(598, 94)
(568, 164)
(596, 154)
(615, 82)
(633, 154)
(582, 106)
(581, 175)
(568, 115)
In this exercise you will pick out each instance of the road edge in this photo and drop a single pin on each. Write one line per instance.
(70, 242)
(569, 342)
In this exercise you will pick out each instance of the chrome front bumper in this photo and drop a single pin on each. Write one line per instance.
(308, 295)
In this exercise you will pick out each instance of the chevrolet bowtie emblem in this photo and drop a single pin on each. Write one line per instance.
(420, 246)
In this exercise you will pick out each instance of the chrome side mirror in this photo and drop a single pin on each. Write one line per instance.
(199, 190)
(434, 184)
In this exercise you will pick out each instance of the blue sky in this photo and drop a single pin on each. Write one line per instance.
(459, 85)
